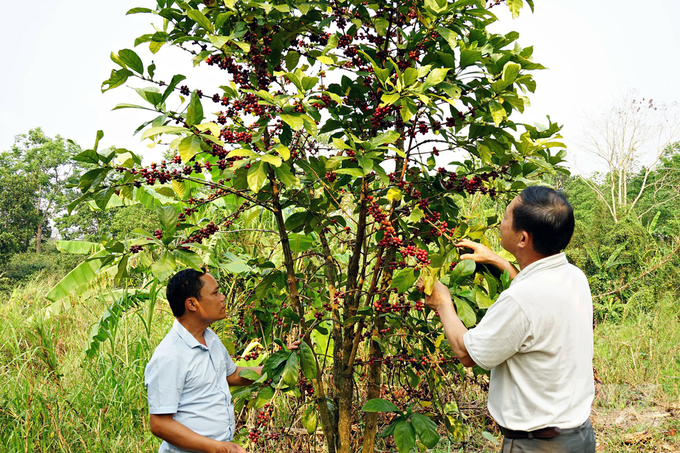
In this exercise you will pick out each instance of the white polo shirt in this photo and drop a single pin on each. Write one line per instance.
(189, 380)
(537, 340)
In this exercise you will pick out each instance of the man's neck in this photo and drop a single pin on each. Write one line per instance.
(194, 326)
(529, 258)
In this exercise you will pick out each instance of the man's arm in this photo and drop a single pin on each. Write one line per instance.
(175, 433)
(483, 255)
(440, 300)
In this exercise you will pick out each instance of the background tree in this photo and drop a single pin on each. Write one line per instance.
(324, 139)
(629, 136)
(47, 161)
(19, 218)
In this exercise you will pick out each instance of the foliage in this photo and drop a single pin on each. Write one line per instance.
(326, 139)
(45, 162)
(19, 217)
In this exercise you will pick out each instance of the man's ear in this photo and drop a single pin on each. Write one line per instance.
(525, 241)
(191, 304)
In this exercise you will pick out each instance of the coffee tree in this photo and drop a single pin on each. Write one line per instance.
(361, 132)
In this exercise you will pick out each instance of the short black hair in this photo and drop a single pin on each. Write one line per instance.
(183, 285)
(547, 216)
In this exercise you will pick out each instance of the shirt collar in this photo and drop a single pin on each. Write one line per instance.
(186, 336)
(548, 262)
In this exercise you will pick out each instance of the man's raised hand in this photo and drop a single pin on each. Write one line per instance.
(481, 253)
(484, 255)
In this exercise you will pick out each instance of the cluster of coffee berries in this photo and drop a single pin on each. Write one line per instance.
(262, 420)
(418, 253)
(251, 356)
(204, 233)
(136, 249)
(382, 305)
(158, 234)
(389, 239)
(306, 387)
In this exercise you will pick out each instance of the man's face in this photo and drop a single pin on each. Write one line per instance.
(211, 304)
(509, 237)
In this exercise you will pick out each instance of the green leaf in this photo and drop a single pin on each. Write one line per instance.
(404, 279)
(497, 112)
(510, 72)
(426, 430)
(176, 79)
(292, 59)
(164, 267)
(483, 301)
(263, 397)
(435, 77)
(294, 121)
(200, 19)
(307, 361)
(116, 79)
(465, 312)
(271, 159)
(404, 436)
(463, 269)
(150, 132)
(168, 219)
(438, 6)
(292, 370)
(189, 258)
(381, 25)
(78, 247)
(257, 175)
(409, 77)
(389, 99)
(515, 6)
(309, 419)
(189, 147)
(249, 374)
(132, 60)
(286, 176)
(283, 151)
(379, 405)
(139, 10)
(195, 110)
(75, 281)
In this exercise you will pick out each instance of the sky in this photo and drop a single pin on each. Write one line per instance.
(55, 56)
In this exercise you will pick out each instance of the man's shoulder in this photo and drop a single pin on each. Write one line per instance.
(171, 345)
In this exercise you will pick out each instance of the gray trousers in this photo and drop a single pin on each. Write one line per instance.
(579, 440)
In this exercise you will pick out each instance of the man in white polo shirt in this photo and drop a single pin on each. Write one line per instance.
(537, 338)
(189, 375)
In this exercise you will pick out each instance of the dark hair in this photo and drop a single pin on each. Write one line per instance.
(547, 216)
(183, 285)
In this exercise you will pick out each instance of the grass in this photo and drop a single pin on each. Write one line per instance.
(53, 399)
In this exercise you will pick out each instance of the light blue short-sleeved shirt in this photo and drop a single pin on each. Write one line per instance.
(189, 380)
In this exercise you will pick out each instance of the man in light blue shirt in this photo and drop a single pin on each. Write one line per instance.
(189, 375)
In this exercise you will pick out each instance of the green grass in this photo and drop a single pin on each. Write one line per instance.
(54, 399)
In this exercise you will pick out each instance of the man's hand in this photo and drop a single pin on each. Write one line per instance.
(440, 296)
(481, 253)
(227, 447)
(484, 255)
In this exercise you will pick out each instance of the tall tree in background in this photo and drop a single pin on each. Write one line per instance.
(47, 162)
(19, 218)
(629, 136)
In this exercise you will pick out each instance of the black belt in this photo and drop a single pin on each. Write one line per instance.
(544, 433)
